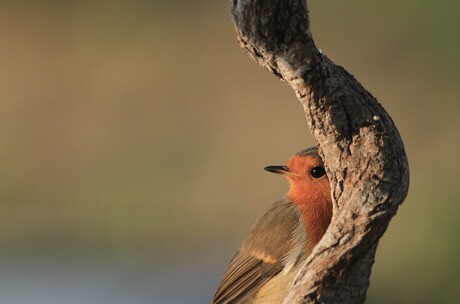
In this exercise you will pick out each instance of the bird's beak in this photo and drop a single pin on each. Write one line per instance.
(278, 169)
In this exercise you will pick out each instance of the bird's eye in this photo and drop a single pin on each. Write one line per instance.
(317, 172)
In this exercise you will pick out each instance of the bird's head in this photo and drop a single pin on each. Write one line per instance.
(307, 178)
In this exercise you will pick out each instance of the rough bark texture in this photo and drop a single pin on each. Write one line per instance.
(361, 147)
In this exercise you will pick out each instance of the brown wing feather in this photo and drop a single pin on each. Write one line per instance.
(262, 255)
(243, 279)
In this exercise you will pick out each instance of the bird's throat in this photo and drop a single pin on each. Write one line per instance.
(317, 212)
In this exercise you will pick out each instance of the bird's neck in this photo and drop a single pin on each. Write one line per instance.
(317, 212)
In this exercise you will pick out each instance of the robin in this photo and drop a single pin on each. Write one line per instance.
(264, 268)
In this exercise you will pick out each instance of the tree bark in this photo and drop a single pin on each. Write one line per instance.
(362, 150)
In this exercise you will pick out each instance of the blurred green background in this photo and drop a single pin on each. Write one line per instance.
(133, 136)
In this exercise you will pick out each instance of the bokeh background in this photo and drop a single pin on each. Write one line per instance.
(133, 136)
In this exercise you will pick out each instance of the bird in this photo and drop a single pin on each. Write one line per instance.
(264, 268)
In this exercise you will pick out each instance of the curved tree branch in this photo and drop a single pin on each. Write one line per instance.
(361, 147)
